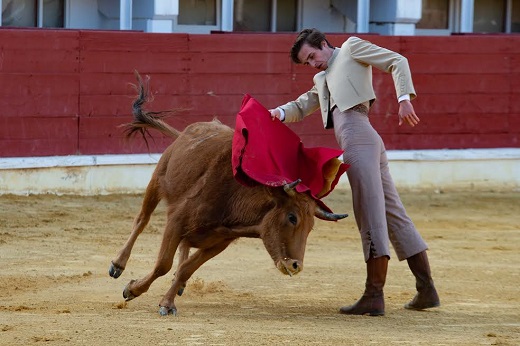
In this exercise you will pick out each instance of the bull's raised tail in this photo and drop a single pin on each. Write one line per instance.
(144, 119)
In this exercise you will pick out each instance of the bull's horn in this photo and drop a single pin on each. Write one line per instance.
(325, 215)
(289, 188)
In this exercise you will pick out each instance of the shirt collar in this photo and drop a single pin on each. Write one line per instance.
(332, 58)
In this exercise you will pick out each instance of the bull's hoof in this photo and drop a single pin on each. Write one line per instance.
(127, 294)
(165, 311)
(115, 271)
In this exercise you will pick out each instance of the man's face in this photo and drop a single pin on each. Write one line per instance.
(315, 57)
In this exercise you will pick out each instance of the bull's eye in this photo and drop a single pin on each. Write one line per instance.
(293, 219)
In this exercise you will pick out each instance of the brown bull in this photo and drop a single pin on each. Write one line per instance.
(208, 209)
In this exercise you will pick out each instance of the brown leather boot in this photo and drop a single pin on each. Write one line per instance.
(426, 296)
(372, 302)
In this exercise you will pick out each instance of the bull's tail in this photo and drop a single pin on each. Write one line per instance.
(143, 120)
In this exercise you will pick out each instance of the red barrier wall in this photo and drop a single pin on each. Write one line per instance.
(65, 92)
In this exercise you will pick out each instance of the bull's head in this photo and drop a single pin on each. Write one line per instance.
(287, 226)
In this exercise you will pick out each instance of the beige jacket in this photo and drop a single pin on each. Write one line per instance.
(348, 80)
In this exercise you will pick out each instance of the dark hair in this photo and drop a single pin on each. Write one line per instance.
(313, 37)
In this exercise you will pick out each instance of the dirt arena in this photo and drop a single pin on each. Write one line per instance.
(55, 288)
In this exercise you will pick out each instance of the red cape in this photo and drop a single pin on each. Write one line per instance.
(265, 151)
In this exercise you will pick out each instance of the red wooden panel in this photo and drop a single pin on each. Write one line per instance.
(514, 105)
(39, 105)
(462, 104)
(37, 85)
(513, 119)
(127, 62)
(39, 128)
(103, 135)
(39, 39)
(106, 127)
(107, 83)
(38, 136)
(103, 146)
(465, 63)
(462, 83)
(218, 84)
(121, 105)
(231, 43)
(212, 106)
(101, 127)
(132, 41)
(272, 101)
(486, 123)
(122, 83)
(112, 105)
(514, 79)
(464, 44)
(468, 87)
(450, 141)
(300, 84)
(255, 62)
(515, 63)
(492, 140)
(430, 123)
(30, 60)
(37, 147)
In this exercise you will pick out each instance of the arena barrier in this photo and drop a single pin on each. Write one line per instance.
(493, 169)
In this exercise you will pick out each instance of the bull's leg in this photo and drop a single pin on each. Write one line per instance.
(150, 202)
(170, 242)
(184, 252)
(185, 271)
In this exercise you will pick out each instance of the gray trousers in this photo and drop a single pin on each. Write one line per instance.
(380, 215)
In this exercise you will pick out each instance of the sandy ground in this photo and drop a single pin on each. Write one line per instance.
(55, 288)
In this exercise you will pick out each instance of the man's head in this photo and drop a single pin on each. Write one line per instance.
(312, 48)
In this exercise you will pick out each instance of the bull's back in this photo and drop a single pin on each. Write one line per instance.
(199, 157)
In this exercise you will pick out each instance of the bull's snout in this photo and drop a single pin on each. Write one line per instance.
(289, 266)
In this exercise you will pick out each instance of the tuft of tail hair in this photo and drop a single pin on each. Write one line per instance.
(143, 119)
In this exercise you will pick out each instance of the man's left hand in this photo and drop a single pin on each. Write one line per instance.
(407, 113)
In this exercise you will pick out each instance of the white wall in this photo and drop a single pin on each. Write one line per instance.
(478, 169)
(320, 15)
(83, 14)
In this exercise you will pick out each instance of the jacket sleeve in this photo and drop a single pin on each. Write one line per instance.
(385, 60)
(304, 105)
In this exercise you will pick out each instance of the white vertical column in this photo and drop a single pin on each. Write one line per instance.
(363, 14)
(227, 15)
(466, 16)
(274, 6)
(39, 15)
(509, 13)
(125, 15)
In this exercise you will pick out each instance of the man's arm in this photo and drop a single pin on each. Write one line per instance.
(394, 63)
(384, 60)
(298, 109)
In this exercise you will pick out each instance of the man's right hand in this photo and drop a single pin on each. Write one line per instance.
(275, 113)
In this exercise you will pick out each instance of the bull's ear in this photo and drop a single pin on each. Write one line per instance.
(290, 187)
(325, 215)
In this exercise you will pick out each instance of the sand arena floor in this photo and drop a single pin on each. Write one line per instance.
(55, 289)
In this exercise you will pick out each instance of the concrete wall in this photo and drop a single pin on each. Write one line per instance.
(469, 169)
